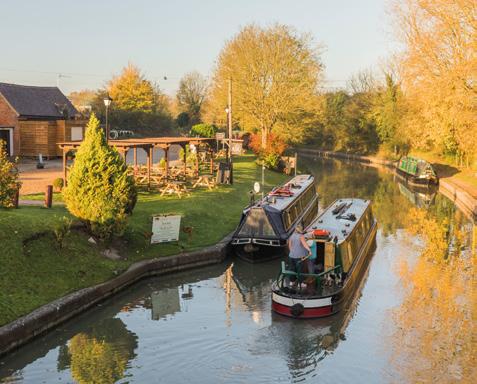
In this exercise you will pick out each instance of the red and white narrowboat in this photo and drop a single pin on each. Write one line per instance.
(340, 240)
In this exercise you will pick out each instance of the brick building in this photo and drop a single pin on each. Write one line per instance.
(34, 119)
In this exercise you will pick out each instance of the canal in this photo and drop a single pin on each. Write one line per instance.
(411, 320)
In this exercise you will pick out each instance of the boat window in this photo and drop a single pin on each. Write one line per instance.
(257, 224)
(308, 219)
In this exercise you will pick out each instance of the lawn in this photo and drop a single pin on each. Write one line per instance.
(37, 272)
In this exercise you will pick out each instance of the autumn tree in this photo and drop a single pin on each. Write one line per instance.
(138, 103)
(131, 91)
(275, 72)
(191, 95)
(438, 69)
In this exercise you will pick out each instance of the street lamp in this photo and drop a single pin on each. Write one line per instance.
(107, 102)
(229, 152)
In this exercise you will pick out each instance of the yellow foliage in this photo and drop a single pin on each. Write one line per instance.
(130, 91)
(435, 334)
(275, 74)
(94, 361)
(438, 69)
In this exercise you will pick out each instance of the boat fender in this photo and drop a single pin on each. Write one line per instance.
(297, 309)
(321, 233)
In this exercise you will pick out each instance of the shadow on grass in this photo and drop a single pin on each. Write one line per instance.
(445, 170)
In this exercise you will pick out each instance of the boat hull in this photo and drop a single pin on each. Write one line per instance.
(322, 306)
(260, 253)
(417, 181)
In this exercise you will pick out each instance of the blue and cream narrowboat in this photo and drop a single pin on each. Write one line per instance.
(266, 225)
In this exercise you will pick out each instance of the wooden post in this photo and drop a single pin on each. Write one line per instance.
(185, 160)
(135, 159)
(211, 163)
(48, 196)
(197, 160)
(64, 167)
(166, 157)
(16, 198)
(149, 163)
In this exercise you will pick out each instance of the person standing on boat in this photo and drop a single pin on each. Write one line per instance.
(299, 250)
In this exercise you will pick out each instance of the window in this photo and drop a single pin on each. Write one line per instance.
(257, 224)
(76, 133)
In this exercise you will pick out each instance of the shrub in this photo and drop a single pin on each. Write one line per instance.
(99, 191)
(61, 230)
(58, 184)
(271, 161)
(9, 184)
(203, 130)
(274, 144)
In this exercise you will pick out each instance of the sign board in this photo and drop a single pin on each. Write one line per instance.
(237, 147)
(165, 228)
(220, 136)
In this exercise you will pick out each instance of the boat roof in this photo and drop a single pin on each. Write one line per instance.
(301, 182)
(340, 224)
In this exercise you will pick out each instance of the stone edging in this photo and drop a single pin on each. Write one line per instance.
(48, 316)
(462, 199)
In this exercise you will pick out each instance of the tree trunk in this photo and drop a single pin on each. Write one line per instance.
(264, 139)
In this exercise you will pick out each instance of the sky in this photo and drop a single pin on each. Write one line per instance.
(89, 41)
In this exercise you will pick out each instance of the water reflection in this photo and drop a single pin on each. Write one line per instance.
(435, 333)
(99, 355)
(421, 198)
(165, 302)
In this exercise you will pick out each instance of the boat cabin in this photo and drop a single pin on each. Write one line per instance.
(338, 237)
(271, 220)
(417, 170)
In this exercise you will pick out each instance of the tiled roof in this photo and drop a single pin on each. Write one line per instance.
(31, 101)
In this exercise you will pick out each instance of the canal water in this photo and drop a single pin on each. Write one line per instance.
(410, 321)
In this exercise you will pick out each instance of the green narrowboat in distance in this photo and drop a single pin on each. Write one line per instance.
(417, 171)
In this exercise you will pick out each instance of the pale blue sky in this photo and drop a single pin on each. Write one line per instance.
(90, 40)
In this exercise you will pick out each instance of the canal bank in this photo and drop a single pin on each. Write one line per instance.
(48, 316)
(462, 198)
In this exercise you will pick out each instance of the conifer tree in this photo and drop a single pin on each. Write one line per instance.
(99, 191)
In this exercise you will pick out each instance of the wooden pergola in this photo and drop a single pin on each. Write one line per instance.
(148, 145)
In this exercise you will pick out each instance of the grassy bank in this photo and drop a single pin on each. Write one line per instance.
(36, 272)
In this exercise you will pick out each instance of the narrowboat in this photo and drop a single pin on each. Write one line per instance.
(340, 239)
(417, 171)
(266, 225)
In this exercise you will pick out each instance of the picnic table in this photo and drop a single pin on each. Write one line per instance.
(205, 181)
(174, 187)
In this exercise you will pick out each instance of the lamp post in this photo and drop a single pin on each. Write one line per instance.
(107, 102)
(229, 149)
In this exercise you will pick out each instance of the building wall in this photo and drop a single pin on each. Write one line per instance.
(38, 136)
(32, 137)
(8, 118)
